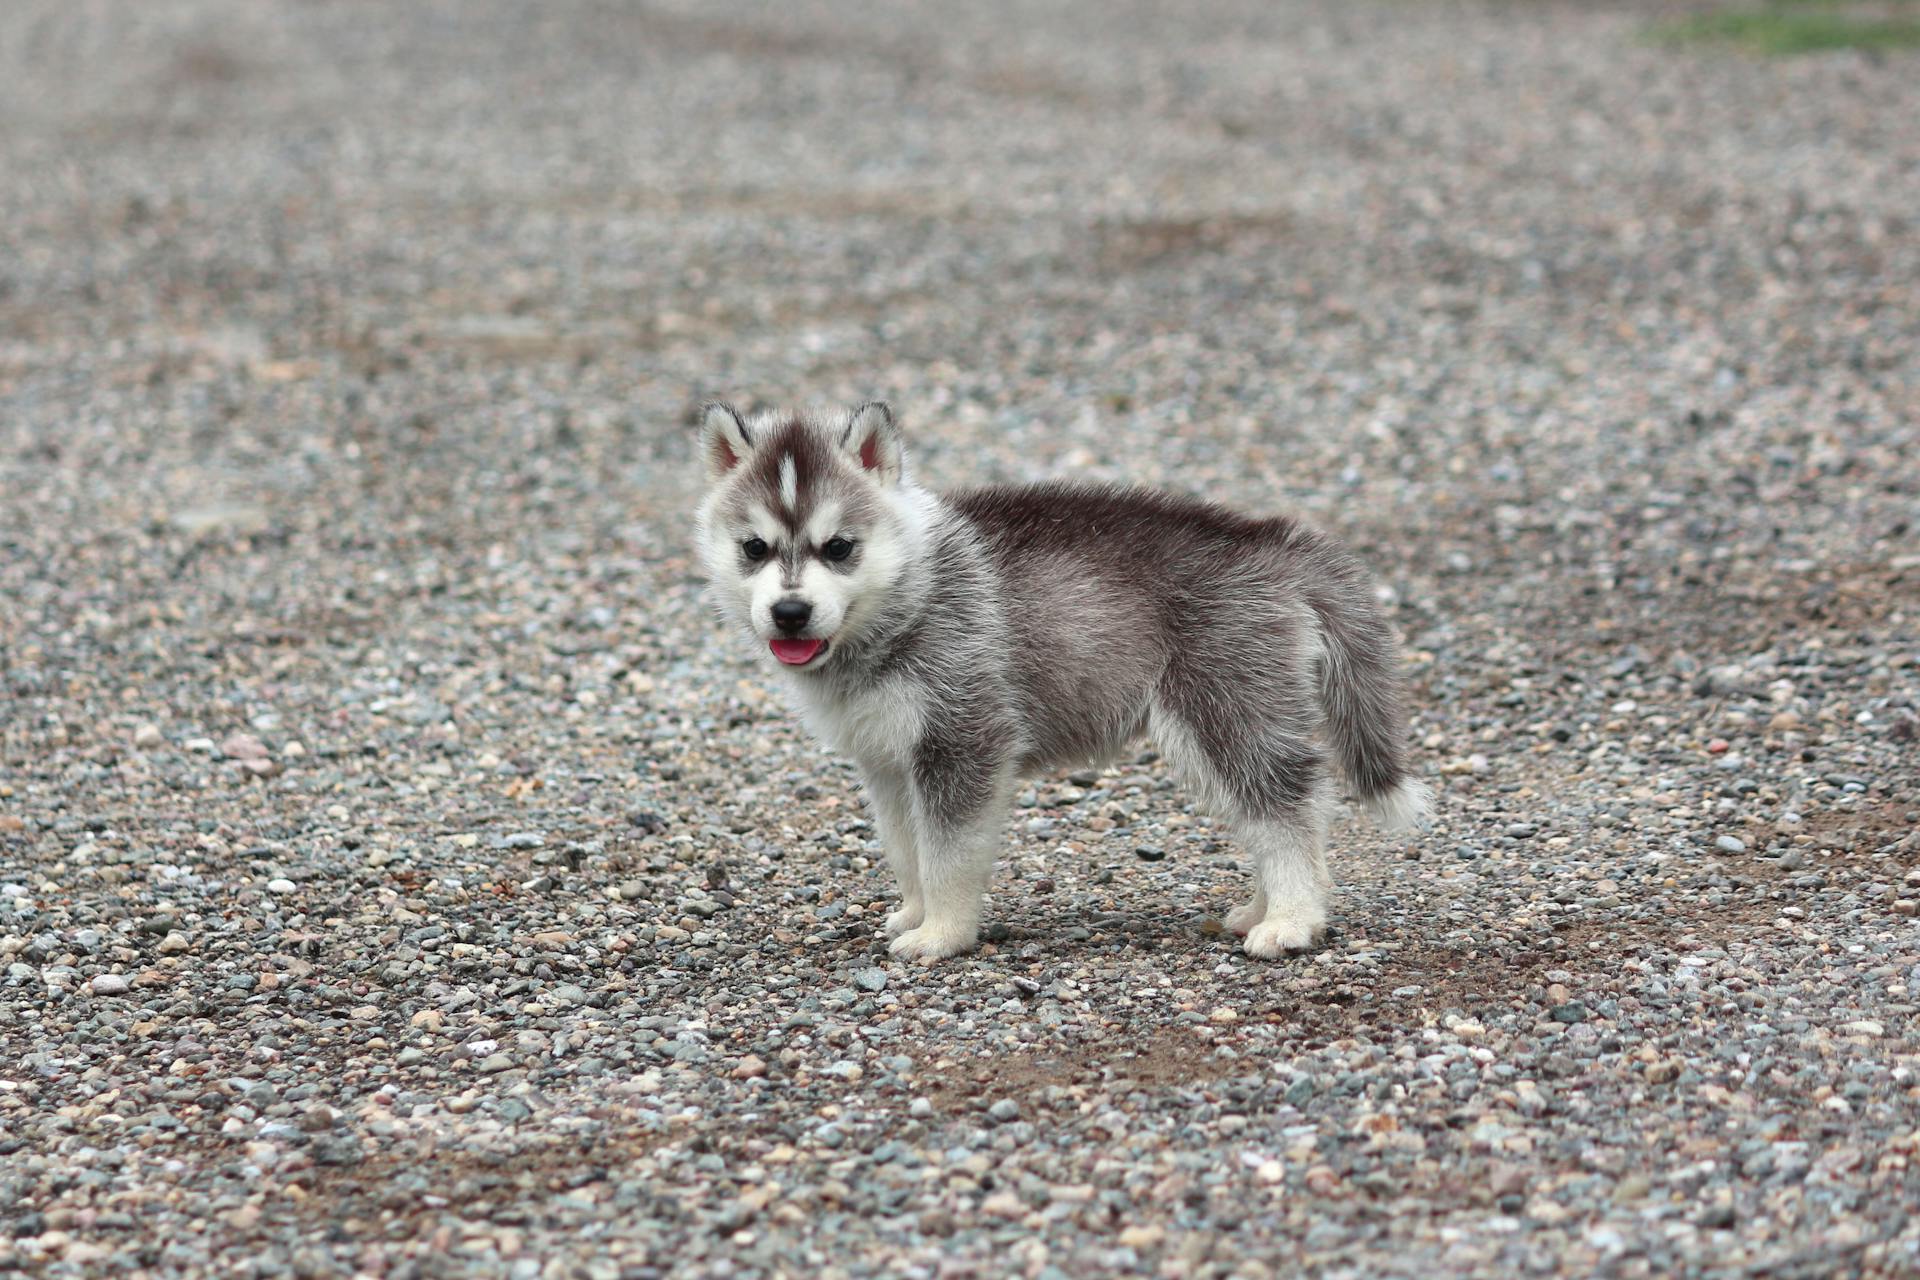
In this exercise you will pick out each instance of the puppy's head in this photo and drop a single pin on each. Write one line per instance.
(805, 527)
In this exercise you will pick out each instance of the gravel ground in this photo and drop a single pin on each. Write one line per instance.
(401, 874)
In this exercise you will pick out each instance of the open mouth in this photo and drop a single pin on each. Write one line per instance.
(797, 653)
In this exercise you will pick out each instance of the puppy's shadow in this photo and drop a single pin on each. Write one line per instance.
(1183, 931)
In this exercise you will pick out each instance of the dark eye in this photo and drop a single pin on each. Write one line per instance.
(754, 549)
(837, 549)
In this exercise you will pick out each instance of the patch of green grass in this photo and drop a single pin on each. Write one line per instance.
(1796, 28)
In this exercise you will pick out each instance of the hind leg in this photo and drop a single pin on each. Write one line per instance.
(1289, 851)
(1291, 884)
(1253, 761)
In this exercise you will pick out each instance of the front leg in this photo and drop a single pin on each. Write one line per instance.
(891, 797)
(960, 793)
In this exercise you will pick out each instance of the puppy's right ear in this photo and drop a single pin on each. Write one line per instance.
(725, 441)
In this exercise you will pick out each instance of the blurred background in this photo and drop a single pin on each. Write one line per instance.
(1487, 287)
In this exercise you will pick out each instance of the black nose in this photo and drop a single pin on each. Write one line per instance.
(791, 615)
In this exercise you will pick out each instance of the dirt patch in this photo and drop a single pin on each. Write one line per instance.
(1868, 830)
(207, 64)
(1166, 1061)
(499, 1184)
(758, 42)
(753, 42)
(1122, 246)
(1760, 888)
(1494, 977)
(1753, 608)
(1849, 597)
(1471, 976)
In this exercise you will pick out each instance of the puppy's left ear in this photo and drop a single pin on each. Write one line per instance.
(872, 439)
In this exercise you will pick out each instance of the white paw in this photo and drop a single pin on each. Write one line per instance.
(1275, 936)
(1241, 919)
(898, 922)
(934, 942)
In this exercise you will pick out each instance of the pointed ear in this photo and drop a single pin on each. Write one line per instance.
(725, 441)
(873, 440)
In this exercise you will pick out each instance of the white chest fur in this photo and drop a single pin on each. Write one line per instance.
(878, 726)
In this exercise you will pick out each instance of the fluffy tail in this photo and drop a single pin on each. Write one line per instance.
(1366, 722)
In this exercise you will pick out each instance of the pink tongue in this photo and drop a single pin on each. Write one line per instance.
(795, 652)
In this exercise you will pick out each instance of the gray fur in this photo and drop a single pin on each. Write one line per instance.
(976, 639)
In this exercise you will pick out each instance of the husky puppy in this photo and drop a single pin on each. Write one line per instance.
(954, 645)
